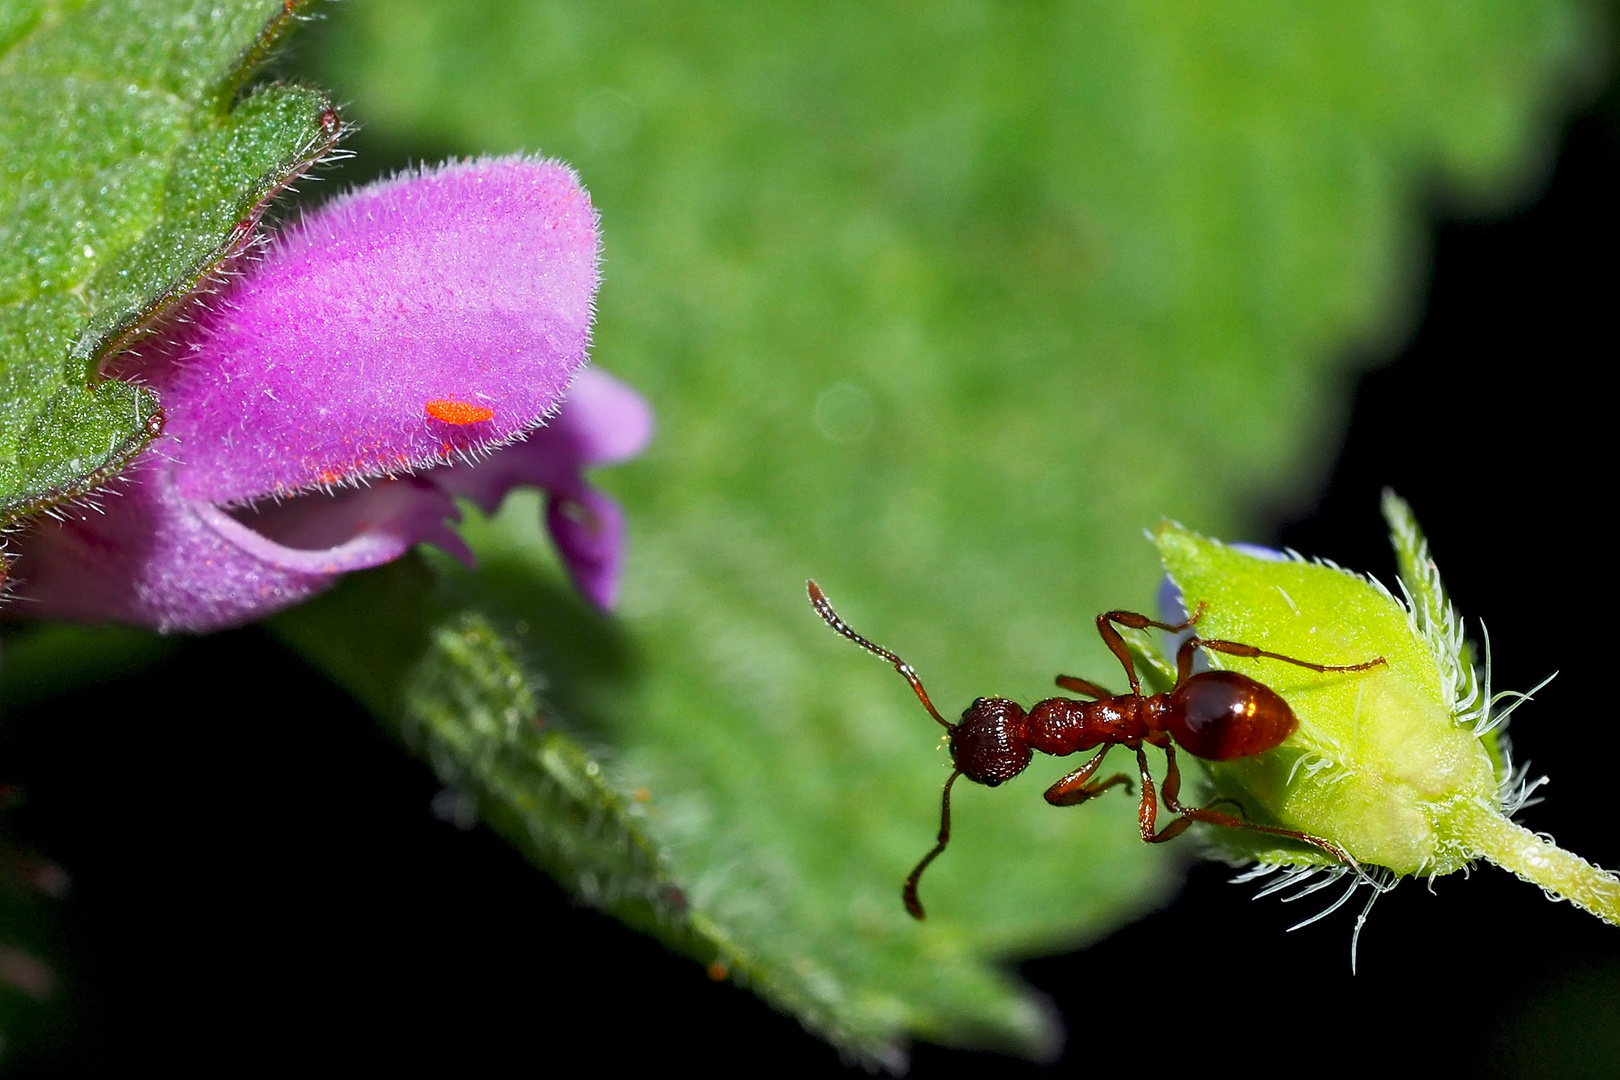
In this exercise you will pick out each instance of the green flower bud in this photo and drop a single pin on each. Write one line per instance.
(1399, 765)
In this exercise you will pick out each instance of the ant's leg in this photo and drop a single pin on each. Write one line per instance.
(1190, 814)
(1078, 685)
(1147, 814)
(1172, 800)
(1172, 779)
(1073, 789)
(909, 893)
(1172, 790)
(1215, 817)
(1184, 660)
(1116, 644)
(1237, 648)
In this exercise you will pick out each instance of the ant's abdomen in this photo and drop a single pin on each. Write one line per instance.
(1219, 715)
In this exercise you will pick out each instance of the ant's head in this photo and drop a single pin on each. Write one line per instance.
(988, 743)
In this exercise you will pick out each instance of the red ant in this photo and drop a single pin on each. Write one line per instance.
(1214, 715)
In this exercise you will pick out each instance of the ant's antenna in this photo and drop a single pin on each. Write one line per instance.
(909, 894)
(824, 608)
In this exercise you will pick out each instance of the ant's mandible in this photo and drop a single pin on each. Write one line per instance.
(1214, 715)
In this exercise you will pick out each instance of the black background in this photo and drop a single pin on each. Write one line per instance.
(262, 882)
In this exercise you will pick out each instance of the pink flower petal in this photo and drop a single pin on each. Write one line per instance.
(160, 559)
(370, 338)
(428, 319)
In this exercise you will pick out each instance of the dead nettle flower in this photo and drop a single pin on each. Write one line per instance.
(419, 339)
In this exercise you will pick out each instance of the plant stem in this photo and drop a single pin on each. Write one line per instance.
(1539, 861)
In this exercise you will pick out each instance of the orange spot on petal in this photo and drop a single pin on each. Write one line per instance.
(452, 411)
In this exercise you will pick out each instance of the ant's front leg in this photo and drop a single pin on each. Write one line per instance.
(1073, 789)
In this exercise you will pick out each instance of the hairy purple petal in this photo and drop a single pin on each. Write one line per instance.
(425, 320)
(160, 559)
(604, 421)
(471, 284)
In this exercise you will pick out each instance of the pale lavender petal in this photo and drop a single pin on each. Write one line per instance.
(157, 558)
(1173, 609)
(1259, 551)
(602, 421)
(588, 529)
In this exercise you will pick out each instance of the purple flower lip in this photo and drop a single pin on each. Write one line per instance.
(407, 344)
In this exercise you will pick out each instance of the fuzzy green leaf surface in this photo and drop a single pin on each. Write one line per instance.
(939, 306)
(447, 669)
(129, 171)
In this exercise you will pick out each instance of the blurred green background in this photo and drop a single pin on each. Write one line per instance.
(941, 304)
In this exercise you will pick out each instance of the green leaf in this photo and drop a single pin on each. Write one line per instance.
(464, 694)
(129, 173)
(940, 306)
(464, 697)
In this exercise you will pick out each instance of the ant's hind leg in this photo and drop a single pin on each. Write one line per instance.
(1077, 685)
(1215, 817)
(1190, 814)
(1073, 789)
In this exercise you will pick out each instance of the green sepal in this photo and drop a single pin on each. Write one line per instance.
(1378, 757)
(1398, 765)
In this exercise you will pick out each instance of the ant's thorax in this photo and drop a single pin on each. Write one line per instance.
(995, 739)
(1061, 726)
